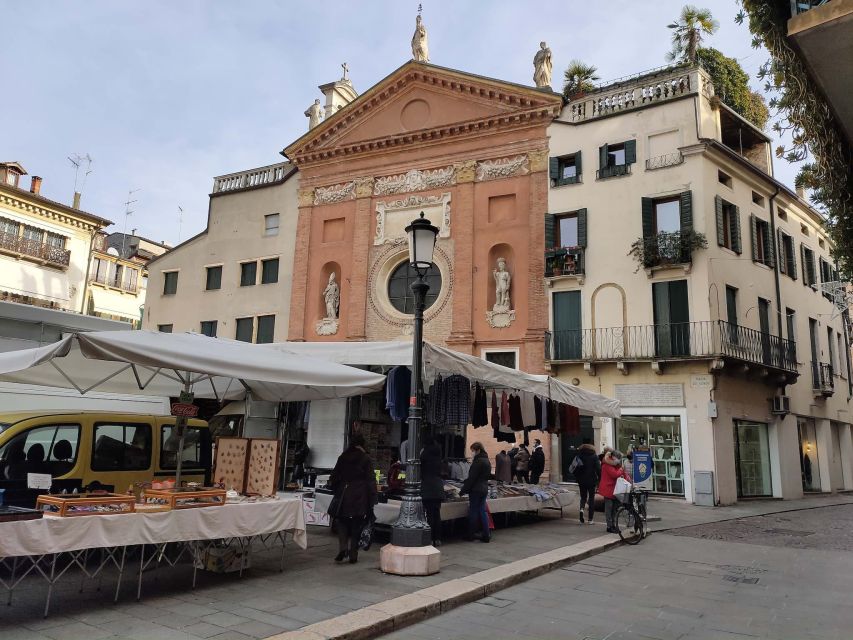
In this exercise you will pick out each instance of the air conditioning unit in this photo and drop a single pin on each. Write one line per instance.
(781, 406)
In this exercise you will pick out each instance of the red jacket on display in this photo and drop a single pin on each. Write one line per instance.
(609, 474)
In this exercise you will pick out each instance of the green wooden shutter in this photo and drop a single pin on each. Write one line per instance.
(686, 207)
(721, 223)
(602, 157)
(568, 329)
(648, 218)
(804, 261)
(581, 227)
(754, 236)
(737, 246)
(792, 259)
(554, 168)
(769, 246)
(783, 259)
(549, 231)
(578, 167)
(630, 151)
(811, 267)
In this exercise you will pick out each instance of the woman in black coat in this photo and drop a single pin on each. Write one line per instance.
(432, 487)
(354, 484)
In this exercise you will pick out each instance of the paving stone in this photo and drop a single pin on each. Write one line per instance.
(203, 629)
(257, 629)
(305, 614)
(76, 631)
(224, 619)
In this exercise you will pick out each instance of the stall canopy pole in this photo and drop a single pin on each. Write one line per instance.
(181, 428)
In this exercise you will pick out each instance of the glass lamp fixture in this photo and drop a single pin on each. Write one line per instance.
(422, 234)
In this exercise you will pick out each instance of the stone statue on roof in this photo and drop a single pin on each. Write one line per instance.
(542, 66)
(420, 45)
(314, 113)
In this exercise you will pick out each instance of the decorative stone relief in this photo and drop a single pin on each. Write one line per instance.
(327, 327)
(466, 171)
(538, 159)
(305, 197)
(502, 168)
(335, 193)
(414, 180)
(502, 315)
(363, 187)
(394, 216)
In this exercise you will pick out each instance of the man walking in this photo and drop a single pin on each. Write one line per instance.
(476, 485)
(537, 461)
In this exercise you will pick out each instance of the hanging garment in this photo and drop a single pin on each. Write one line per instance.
(528, 409)
(526, 438)
(496, 415)
(435, 403)
(480, 417)
(504, 408)
(538, 407)
(505, 434)
(551, 418)
(570, 422)
(457, 400)
(516, 420)
(397, 393)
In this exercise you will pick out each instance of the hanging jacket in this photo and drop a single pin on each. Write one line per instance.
(503, 468)
(457, 401)
(479, 417)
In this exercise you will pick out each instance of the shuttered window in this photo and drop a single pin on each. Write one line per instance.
(616, 159)
(762, 241)
(565, 169)
(809, 275)
(728, 224)
(787, 255)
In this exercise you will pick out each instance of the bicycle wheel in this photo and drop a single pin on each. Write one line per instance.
(630, 526)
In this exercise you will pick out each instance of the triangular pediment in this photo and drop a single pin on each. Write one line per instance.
(421, 101)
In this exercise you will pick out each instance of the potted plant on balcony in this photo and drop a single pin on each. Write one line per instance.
(667, 248)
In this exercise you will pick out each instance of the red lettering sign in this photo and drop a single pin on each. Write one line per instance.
(184, 410)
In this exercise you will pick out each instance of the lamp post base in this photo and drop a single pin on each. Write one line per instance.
(409, 561)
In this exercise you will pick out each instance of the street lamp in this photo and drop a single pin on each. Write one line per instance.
(411, 529)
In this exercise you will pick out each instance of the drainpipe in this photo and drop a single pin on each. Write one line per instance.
(88, 269)
(776, 269)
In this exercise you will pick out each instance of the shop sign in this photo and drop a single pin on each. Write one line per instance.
(641, 461)
(183, 410)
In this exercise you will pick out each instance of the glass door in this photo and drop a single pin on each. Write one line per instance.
(752, 458)
(808, 454)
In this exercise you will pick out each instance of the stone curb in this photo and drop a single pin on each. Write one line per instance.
(397, 613)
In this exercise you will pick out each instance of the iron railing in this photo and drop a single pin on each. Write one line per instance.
(35, 249)
(109, 280)
(667, 160)
(822, 380)
(614, 171)
(668, 247)
(686, 340)
(567, 261)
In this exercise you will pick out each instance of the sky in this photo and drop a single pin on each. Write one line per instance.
(165, 95)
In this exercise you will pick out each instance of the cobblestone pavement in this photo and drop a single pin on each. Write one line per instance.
(734, 580)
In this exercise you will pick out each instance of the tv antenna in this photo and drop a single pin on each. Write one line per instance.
(127, 212)
(79, 161)
(180, 221)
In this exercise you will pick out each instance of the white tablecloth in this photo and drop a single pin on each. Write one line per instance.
(386, 513)
(52, 534)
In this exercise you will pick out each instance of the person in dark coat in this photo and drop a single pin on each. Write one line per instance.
(587, 473)
(537, 461)
(432, 487)
(522, 461)
(513, 463)
(354, 484)
(476, 485)
(503, 468)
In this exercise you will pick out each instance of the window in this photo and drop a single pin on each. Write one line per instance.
(248, 274)
(809, 275)
(787, 255)
(567, 230)
(266, 329)
(757, 199)
(724, 178)
(208, 328)
(400, 291)
(269, 271)
(671, 318)
(56, 241)
(170, 283)
(33, 235)
(667, 215)
(821, 243)
(503, 358)
(245, 329)
(565, 169)
(731, 313)
(117, 274)
(214, 278)
(830, 344)
(783, 215)
(728, 224)
(616, 155)
(9, 227)
(667, 225)
(164, 328)
(50, 449)
(804, 229)
(616, 159)
(271, 224)
(762, 242)
(131, 276)
(827, 274)
(791, 321)
(121, 447)
(196, 446)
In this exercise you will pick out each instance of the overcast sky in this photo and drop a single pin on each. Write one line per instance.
(164, 95)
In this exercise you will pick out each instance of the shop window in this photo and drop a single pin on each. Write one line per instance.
(400, 287)
(271, 223)
(662, 434)
(170, 283)
(245, 329)
(164, 328)
(248, 274)
(214, 278)
(121, 447)
(728, 224)
(49, 449)
(208, 328)
(269, 271)
(752, 460)
(266, 329)
(504, 358)
(196, 447)
(809, 467)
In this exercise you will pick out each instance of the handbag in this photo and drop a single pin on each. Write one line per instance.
(336, 503)
(577, 463)
(623, 487)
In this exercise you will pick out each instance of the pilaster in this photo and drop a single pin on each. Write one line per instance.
(537, 312)
(299, 286)
(361, 243)
(462, 334)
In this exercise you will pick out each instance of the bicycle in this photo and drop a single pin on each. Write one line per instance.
(631, 516)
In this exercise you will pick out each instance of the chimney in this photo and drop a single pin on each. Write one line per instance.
(133, 232)
(35, 185)
(77, 196)
(801, 192)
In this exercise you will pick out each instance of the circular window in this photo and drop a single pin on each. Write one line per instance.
(400, 291)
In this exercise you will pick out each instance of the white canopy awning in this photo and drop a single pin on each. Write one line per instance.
(439, 359)
(159, 364)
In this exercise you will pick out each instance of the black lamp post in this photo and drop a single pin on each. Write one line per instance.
(411, 529)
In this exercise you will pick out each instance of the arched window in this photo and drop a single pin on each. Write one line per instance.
(400, 292)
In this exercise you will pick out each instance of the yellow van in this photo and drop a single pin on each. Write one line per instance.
(96, 450)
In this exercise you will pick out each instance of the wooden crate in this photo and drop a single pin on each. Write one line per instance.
(184, 498)
(102, 504)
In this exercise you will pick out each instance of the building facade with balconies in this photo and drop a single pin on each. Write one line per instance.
(690, 284)
(44, 245)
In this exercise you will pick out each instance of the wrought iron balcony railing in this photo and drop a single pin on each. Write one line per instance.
(667, 247)
(566, 261)
(822, 381)
(667, 160)
(111, 281)
(41, 251)
(680, 341)
(614, 171)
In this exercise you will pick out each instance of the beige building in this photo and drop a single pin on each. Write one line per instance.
(233, 280)
(44, 245)
(727, 356)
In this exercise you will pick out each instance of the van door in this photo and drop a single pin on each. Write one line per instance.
(121, 453)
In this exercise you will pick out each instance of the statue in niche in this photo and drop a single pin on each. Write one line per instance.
(542, 66)
(332, 297)
(420, 45)
(502, 284)
(314, 113)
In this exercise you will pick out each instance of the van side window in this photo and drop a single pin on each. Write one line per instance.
(49, 449)
(121, 447)
(193, 444)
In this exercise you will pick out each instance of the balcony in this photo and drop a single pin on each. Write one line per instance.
(667, 248)
(711, 339)
(664, 161)
(21, 247)
(567, 261)
(252, 178)
(822, 381)
(613, 172)
(109, 280)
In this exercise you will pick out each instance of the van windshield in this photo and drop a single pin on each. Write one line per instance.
(46, 449)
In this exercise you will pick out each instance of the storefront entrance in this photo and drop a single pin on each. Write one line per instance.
(752, 459)
(808, 454)
(663, 435)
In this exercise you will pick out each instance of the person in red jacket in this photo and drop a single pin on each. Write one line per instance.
(611, 470)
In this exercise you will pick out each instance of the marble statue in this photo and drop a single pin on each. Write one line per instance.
(542, 66)
(314, 113)
(502, 284)
(420, 46)
(332, 297)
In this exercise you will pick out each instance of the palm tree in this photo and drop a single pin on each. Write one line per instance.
(687, 33)
(578, 78)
